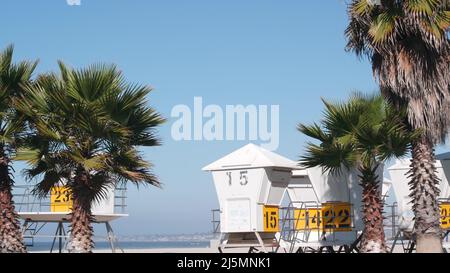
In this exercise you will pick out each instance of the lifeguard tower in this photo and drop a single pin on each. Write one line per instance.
(36, 213)
(250, 184)
(404, 214)
(324, 212)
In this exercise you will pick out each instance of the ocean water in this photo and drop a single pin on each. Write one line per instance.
(46, 246)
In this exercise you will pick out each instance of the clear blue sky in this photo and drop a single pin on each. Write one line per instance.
(288, 52)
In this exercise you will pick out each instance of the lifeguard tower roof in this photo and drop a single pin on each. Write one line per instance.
(251, 156)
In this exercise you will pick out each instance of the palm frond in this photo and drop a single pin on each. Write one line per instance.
(314, 131)
(409, 47)
(87, 125)
(362, 131)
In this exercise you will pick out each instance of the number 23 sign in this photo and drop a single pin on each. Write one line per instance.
(60, 199)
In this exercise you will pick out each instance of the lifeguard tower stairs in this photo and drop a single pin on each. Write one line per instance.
(36, 213)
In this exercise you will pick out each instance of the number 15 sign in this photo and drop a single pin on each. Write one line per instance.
(271, 219)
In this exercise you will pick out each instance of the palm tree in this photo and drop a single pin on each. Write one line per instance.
(12, 77)
(360, 134)
(408, 44)
(88, 124)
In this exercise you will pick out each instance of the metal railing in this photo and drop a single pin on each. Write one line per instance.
(215, 221)
(304, 223)
(296, 228)
(391, 221)
(26, 201)
(120, 196)
(300, 222)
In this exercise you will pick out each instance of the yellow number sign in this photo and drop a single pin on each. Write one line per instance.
(271, 219)
(337, 216)
(307, 219)
(445, 215)
(60, 199)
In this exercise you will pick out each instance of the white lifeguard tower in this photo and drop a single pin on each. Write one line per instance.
(250, 184)
(324, 211)
(403, 206)
(35, 213)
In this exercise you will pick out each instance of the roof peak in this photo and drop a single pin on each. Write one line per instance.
(249, 157)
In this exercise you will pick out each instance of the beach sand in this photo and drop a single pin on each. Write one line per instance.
(166, 250)
(163, 250)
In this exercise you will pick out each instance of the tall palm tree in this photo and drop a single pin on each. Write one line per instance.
(88, 124)
(408, 44)
(360, 134)
(12, 78)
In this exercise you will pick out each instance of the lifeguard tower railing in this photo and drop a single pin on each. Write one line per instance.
(313, 226)
(395, 235)
(215, 213)
(26, 201)
(391, 221)
(28, 204)
(302, 225)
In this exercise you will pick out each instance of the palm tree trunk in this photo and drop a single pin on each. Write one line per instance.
(11, 239)
(373, 239)
(81, 231)
(425, 192)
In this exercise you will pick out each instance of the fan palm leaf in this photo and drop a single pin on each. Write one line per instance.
(87, 125)
(13, 76)
(359, 134)
(408, 44)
